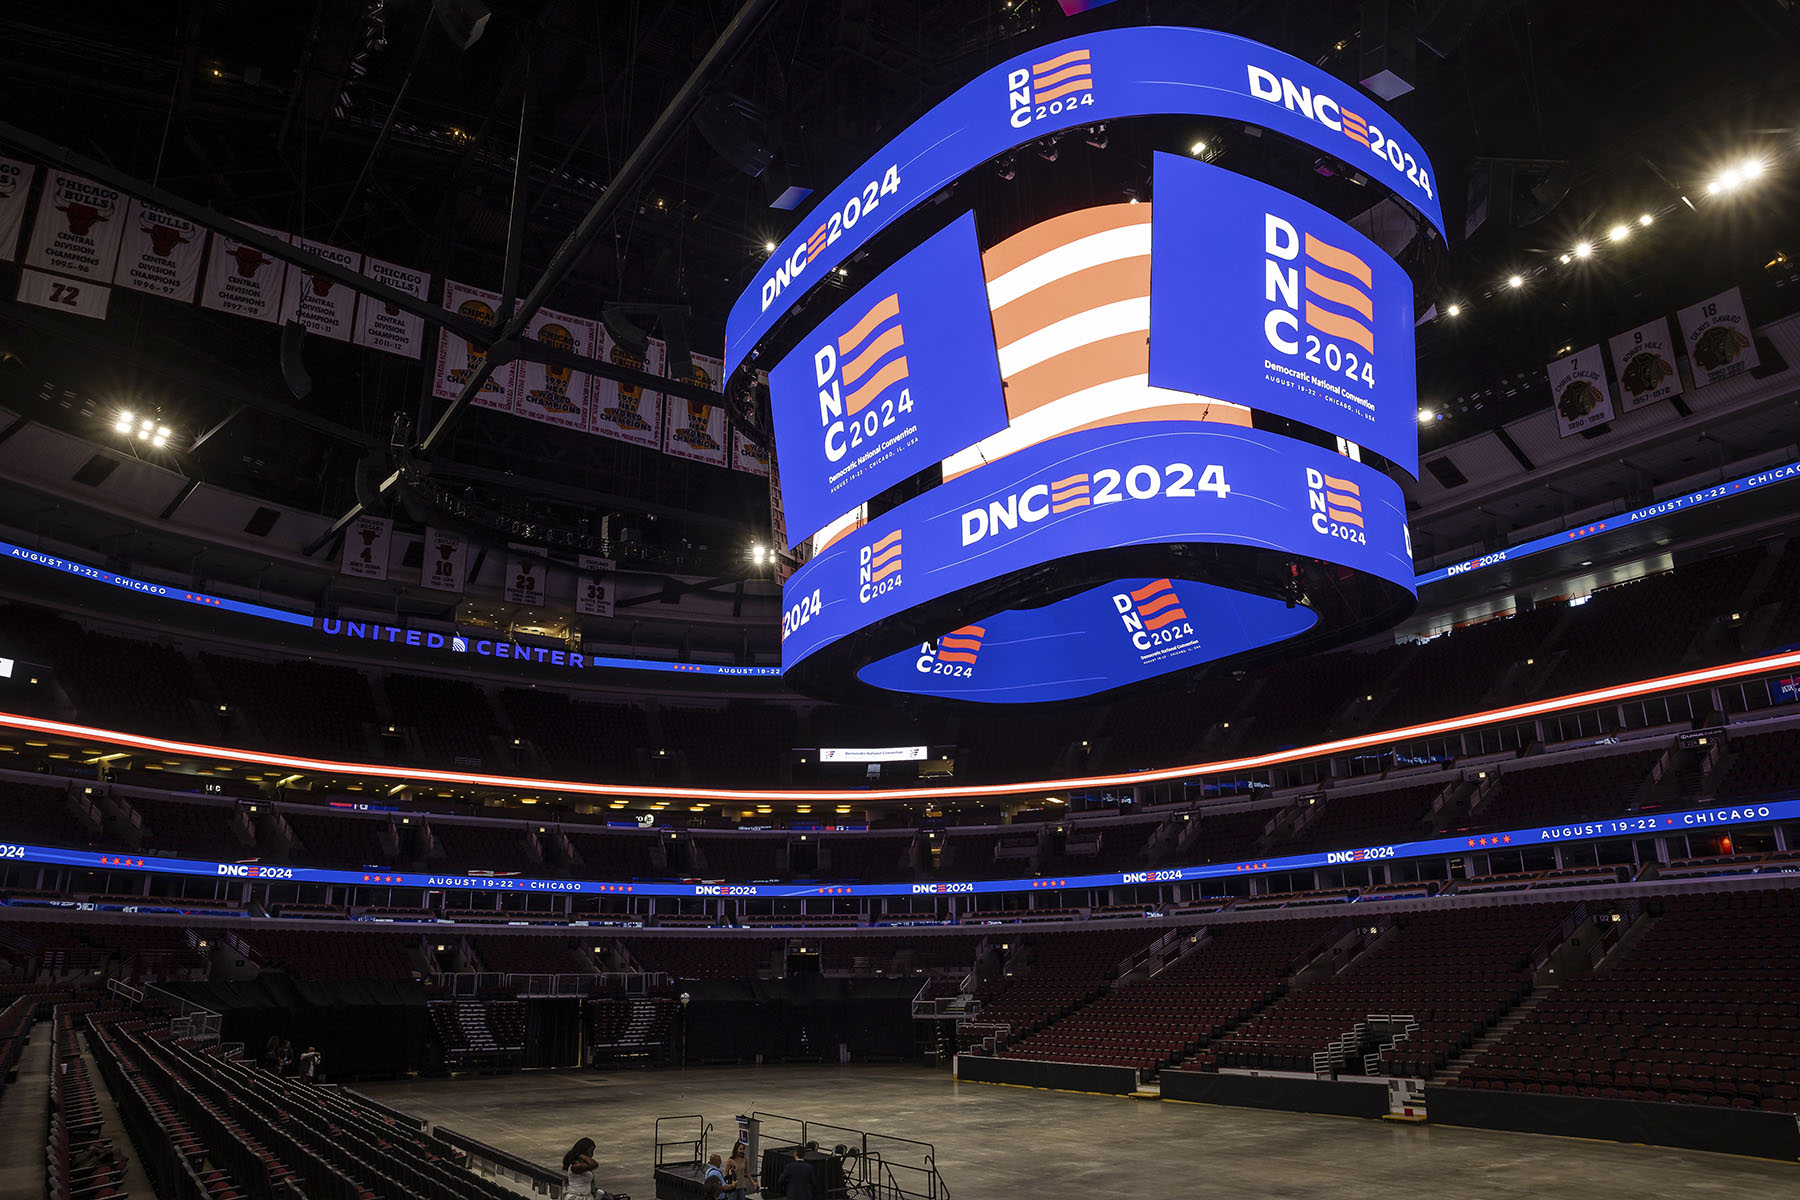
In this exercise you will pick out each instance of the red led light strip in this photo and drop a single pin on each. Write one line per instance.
(1623, 691)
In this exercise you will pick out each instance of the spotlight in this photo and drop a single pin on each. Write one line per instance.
(768, 247)
(123, 424)
(1619, 233)
(1564, 259)
(1455, 310)
(1583, 249)
(1516, 281)
(1644, 219)
(1424, 415)
(1197, 149)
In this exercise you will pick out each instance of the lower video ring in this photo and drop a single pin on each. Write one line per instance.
(1105, 559)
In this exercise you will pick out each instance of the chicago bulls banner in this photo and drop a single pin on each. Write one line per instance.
(15, 190)
(594, 586)
(446, 560)
(381, 326)
(243, 280)
(746, 455)
(323, 306)
(693, 430)
(78, 226)
(160, 253)
(524, 582)
(366, 545)
(459, 359)
(556, 395)
(63, 295)
(625, 411)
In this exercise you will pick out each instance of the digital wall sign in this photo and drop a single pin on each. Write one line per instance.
(1079, 81)
(902, 375)
(1264, 300)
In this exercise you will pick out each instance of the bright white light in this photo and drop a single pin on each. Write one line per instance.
(1454, 310)
(1619, 233)
(1644, 219)
(768, 247)
(123, 425)
(1714, 188)
(1197, 148)
(1515, 281)
(161, 439)
(1583, 249)
(1564, 260)
(162, 431)
(1424, 415)
(1750, 168)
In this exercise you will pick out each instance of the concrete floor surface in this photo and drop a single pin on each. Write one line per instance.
(996, 1141)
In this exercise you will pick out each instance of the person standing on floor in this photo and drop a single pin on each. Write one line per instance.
(797, 1179)
(309, 1064)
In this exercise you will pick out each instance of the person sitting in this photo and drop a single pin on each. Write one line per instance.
(714, 1173)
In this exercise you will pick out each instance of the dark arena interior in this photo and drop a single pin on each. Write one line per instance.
(809, 598)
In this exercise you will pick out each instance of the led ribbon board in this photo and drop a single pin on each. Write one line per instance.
(1725, 817)
(1075, 521)
(903, 375)
(1102, 76)
(1266, 301)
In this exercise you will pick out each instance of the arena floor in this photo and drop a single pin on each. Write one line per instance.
(996, 1141)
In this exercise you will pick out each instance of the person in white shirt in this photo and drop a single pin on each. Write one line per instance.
(578, 1165)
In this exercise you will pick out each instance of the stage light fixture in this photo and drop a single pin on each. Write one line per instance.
(1583, 249)
(768, 247)
(1516, 281)
(123, 424)
(1563, 259)
(1644, 219)
(1425, 414)
(1619, 233)
(1455, 310)
(1197, 149)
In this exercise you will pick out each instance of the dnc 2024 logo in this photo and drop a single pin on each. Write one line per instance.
(1322, 302)
(869, 359)
(954, 655)
(1049, 89)
(1154, 618)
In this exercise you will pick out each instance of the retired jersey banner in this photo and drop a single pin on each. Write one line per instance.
(160, 253)
(15, 190)
(77, 297)
(1644, 362)
(594, 586)
(626, 411)
(384, 326)
(243, 280)
(746, 455)
(366, 545)
(458, 359)
(524, 582)
(694, 430)
(556, 395)
(321, 304)
(1578, 391)
(79, 223)
(1718, 338)
(446, 560)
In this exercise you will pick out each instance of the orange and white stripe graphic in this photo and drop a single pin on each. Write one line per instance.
(1061, 76)
(885, 557)
(1071, 304)
(1343, 501)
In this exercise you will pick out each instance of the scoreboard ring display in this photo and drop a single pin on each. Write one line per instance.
(1041, 468)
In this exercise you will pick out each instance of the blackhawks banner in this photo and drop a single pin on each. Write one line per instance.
(556, 395)
(1644, 362)
(79, 223)
(693, 430)
(160, 253)
(384, 326)
(243, 280)
(15, 190)
(625, 411)
(322, 305)
(1718, 338)
(594, 586)
(366, 545)
(458, 359)
(1578, 391)
(446, 560)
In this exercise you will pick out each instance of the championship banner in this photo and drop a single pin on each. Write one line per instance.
(693, 430)
(458, 359)
(1718, 337)
(1578, 391)
(322, 305)
(388, 327)
(243, 280)
(524, 582)
(1644, 362)
(160, 253)
(366, 545)
(77, 229)
(15, 190)
(446, 560)
(625, 411)
(63, 295)
(594, 586)
(746, 455)
(556, 395)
